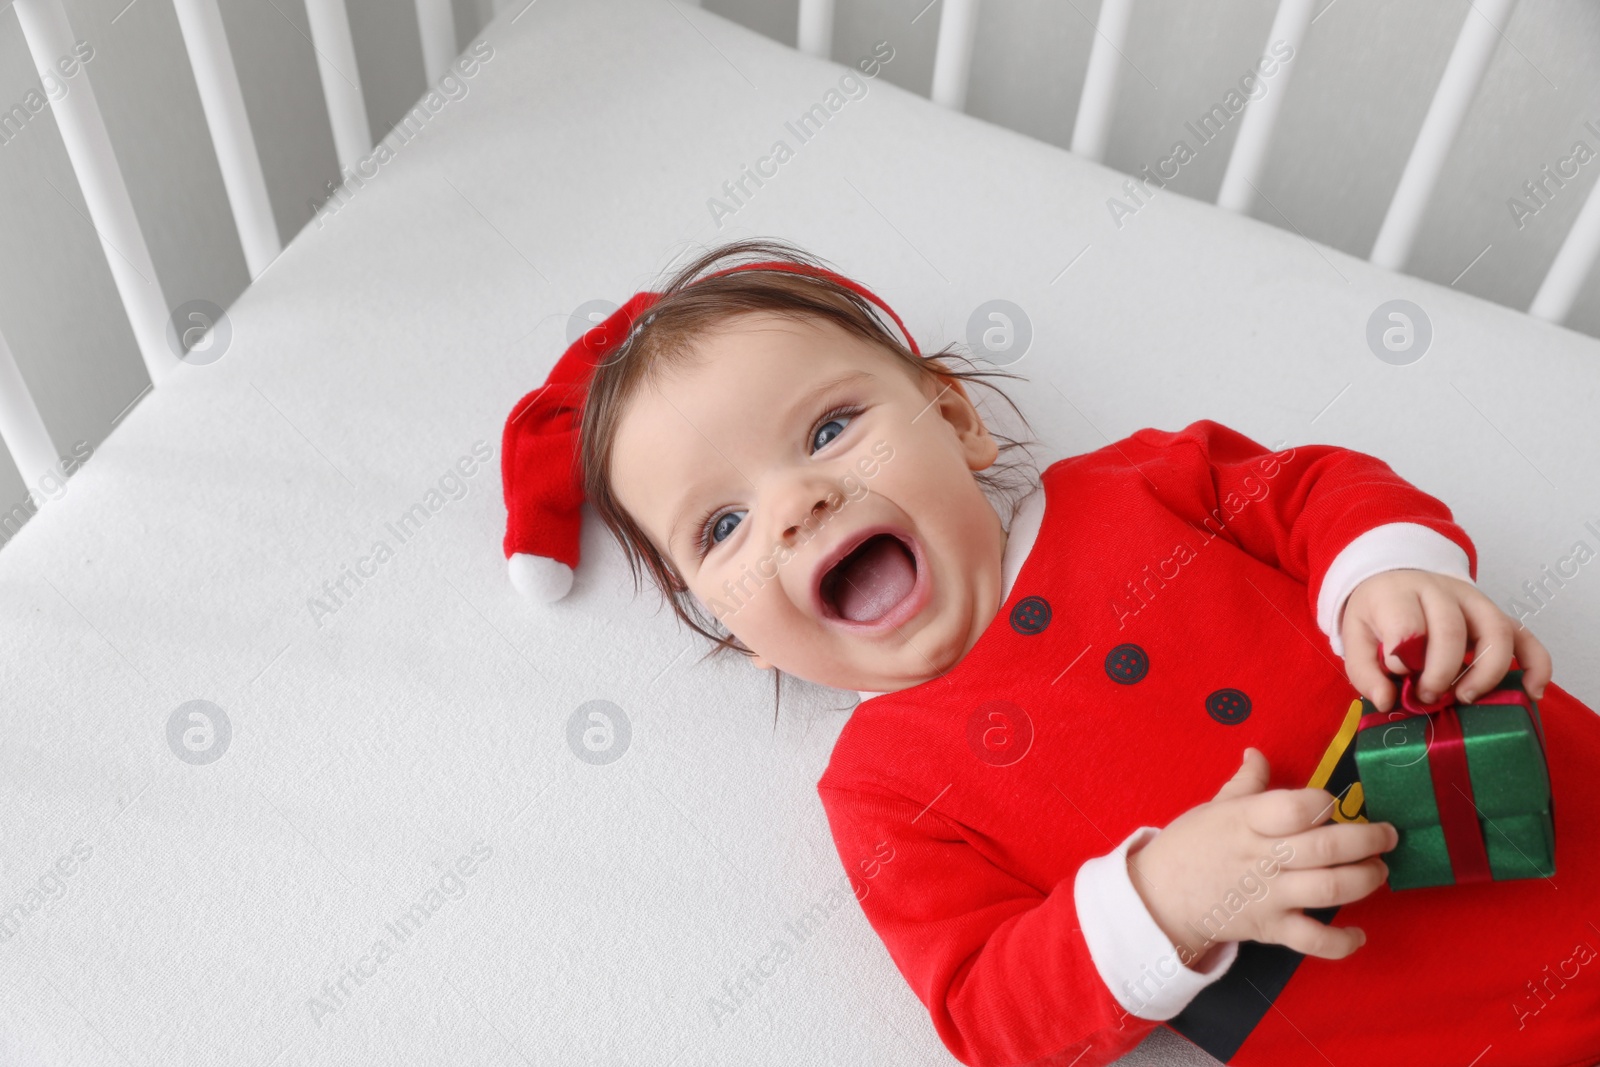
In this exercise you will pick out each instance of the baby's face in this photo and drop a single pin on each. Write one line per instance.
(758, 472)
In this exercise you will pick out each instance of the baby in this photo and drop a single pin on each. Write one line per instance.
(1040, 799)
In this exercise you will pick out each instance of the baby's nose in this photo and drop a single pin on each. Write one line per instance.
(820, 505)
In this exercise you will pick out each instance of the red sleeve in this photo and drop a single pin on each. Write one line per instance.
(1295, 509)
(1001, 965)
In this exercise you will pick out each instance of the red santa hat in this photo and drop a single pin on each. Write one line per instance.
(539, 450)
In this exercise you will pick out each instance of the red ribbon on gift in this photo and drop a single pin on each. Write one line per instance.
(1447, 759)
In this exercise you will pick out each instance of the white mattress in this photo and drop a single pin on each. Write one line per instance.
(429, 712)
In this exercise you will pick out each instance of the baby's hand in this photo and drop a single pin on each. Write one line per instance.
(1389, 607)
(1263, 848)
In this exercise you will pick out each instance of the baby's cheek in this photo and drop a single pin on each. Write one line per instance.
(823, 658)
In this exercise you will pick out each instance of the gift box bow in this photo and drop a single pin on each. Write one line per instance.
(1447, 757)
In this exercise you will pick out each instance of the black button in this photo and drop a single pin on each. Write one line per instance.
(1030, 615)
(1127, 664)
(1228, 706)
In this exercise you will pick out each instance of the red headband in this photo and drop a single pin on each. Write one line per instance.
(539, 450)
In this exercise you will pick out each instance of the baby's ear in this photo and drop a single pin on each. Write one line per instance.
(977, 443)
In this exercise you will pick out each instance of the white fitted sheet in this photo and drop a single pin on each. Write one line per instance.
(373, 747)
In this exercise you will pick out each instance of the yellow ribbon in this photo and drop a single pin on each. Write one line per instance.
(1349, 806)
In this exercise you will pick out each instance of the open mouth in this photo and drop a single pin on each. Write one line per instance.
(879, 582)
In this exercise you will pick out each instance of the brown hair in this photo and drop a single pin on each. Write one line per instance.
(663, 339)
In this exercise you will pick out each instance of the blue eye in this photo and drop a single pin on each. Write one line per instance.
(715, 529)
(839, 419)
(722, 529)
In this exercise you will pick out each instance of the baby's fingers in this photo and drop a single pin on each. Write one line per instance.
(1491, 648)
(1361, 666)
(1278, 813)
(1327, 887)
(1305, 935)
(1447, 640)
(1535, 660)
(1338, 843)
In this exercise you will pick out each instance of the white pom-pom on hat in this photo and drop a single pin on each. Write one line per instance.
(539, 577)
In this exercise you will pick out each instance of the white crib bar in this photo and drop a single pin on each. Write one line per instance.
(21, 427)
(815, 35)
(437, 24)
(1093, 125)
(341, 80)
(83, 132)
(1261, 116)
(222, 100)
(1576, 258)
(1475, 46)
(952, 57)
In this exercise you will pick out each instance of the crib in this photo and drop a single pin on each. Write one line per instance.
(273, 274)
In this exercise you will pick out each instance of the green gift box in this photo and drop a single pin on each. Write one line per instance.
(1511, 809)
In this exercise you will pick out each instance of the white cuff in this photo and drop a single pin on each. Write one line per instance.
(1389, 547)
(1137, 962)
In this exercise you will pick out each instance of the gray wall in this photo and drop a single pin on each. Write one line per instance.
(1038, 46)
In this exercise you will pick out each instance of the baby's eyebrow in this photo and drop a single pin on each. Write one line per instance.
(686, 508)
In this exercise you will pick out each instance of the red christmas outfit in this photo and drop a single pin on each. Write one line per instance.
(1166, 617)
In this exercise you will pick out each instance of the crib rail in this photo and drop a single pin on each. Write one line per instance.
(131, 316)
(1481, 39)
(138, 299)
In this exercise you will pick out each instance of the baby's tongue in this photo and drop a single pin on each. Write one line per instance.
(879, 577)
